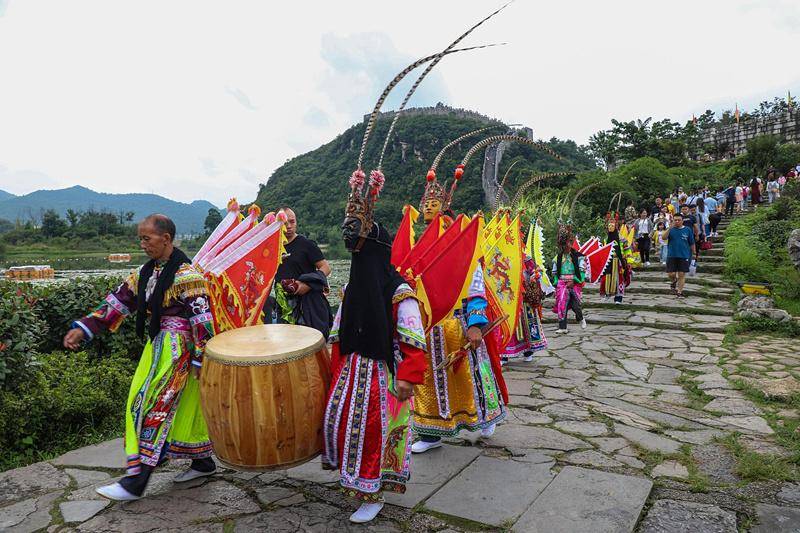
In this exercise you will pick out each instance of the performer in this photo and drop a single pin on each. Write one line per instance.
(569, 274)
(465, 395)
(529, 335)
(162, 417)
(378, 355)
(617, 274)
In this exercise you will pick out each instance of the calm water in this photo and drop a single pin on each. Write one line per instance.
(68, 268)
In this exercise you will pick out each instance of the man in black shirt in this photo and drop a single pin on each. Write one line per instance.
(301, 283)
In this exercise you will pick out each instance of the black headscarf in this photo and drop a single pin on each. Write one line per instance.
(367, 324)
(156, 302)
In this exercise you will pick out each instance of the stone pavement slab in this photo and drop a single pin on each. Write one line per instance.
(672, 516)
(516, 436)
(84, 478)
(81, 511)
(492, 491)
(109, 454)
(30, 481)
(431, 470)
(647, 440)
(586, 501)
(311, 517)
(27, 515)
(175, 509)
(774, 519)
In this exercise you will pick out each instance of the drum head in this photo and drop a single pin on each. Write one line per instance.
(266, 344)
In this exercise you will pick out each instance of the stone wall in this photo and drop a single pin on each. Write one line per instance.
(732, 140)
(440, 109)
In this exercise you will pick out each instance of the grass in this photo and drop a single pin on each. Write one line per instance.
(752, 466)
(698, 481)
(697, 398)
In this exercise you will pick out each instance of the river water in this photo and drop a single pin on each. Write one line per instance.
(69, 268)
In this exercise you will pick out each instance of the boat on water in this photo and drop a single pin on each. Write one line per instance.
(26, 272)
(119, 258)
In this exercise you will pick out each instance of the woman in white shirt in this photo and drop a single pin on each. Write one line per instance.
(644, 227)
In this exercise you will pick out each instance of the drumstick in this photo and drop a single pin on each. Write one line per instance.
(452, 357)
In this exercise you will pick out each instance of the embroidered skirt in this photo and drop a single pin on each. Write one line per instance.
(463, 396)
(613, 283)
(528, 335)
(163, 416)
(366, 430)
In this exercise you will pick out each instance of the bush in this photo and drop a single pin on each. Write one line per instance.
(21, 331)
(35, 318)
(64, 402)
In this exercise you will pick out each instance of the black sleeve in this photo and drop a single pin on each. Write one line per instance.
(314, 253)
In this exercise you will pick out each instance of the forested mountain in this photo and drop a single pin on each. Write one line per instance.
(5, 195)
(188, 218)
(315, 184)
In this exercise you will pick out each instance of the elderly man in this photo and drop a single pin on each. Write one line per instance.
(170, 302)
(301, 283)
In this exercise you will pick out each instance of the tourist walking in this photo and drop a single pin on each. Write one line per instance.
(740, 196)
(730, 199)
(643, 228)
(755, 191)
(773, 187)
(680, 249)
(163, 420)
(660, 243)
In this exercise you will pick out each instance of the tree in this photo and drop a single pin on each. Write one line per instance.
(213, 219)
(762, 153)
(52, 224)
(604, 146)
(5, 225)
(72, 217)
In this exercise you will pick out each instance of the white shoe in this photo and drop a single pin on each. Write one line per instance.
(562, 331)
(647, 263)
(528, 358)
(488, 431)
(617, 303)
(116, 492)
(366, 513)
(191, 474)
(583, 323)
(421, 446)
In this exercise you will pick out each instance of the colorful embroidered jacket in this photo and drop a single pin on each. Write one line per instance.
(186, 301)
(409, 339)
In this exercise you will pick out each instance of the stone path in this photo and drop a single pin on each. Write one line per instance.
(617, 428)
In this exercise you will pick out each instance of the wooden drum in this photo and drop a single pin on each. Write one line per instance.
(263, 393)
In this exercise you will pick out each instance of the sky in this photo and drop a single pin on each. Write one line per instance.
(205, 99)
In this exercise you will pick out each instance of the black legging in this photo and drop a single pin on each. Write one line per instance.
(644, 248)
(713, 220)
(572, 303)
(729, 207)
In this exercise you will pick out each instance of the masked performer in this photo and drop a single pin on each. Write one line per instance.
(528, 336)
(378, 355)
(568, 272)
(162, 417)
(464, 395)
(617, 274)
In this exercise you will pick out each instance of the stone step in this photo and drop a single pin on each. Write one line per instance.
(619, 316)
(713, 267)
(712, 280)
(668, 304)
(662, 287)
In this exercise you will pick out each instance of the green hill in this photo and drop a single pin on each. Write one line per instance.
(315, 184)
(189, 218)
(5, 195)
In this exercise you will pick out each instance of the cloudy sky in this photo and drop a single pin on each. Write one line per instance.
(204, 99)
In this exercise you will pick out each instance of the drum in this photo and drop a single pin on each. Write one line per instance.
(263, 393)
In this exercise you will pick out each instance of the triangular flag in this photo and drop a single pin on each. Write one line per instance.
(598, 260)
(404, 239)
(590, 246)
